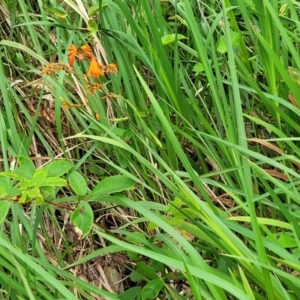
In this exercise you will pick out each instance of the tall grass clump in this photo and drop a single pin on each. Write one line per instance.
(193, 144)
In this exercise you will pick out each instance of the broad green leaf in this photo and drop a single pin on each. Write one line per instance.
(152, 289)
(131, 293)
(4, 208)
(39, 176)
(77, 183)
(287, 241)
(235, 38)
(58, 168)
(135, 276)
(5, 186)
(48, 192)
(113, 184)
(157, 265)
(171, 38)
(198, 68)
(82, 218)
(146, 270)
(25, 167)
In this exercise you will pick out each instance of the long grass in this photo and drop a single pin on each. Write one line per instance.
(205, 120)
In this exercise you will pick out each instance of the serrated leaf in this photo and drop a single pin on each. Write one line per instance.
(4, 208)
(77, 183)
(152, 289)
(58, 168)
(82, 218)
(113, 184)
(171, 38)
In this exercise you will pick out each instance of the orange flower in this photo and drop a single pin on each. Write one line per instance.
(95, 69)
(79, 52)
(87, 50)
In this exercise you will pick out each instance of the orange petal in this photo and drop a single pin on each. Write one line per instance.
(72, 54)
(87, 51)
(95, 69)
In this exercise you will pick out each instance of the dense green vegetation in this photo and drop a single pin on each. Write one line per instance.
(181, 169)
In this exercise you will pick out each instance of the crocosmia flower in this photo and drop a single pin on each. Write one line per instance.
(81, 53)
(95, 69)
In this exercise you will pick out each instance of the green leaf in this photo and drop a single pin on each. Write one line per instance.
(24, 197)
(5, 186)
(83, 219)
(131, 293)
(39, 176)
(77, 183)
(157, 265)
(12, 175)
(235, 39)
(171, 38)
(48, 192)
(198, 68)
(57, 12)
(4, 208)
(113, 184)
(287, 241)
(146, 271)
(58, 168)
(92, 26)
(93, 10)
(152, 289)
(35, 194)
(135, 276)
(25, 168)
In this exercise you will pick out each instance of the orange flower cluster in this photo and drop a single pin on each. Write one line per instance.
(95, 69)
